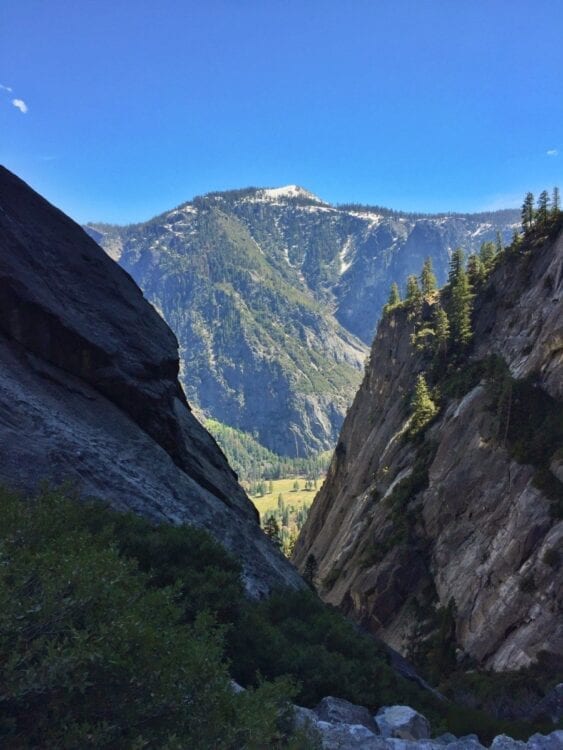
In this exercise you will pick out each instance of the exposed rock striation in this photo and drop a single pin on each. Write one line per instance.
(400, 528)
(89, 389)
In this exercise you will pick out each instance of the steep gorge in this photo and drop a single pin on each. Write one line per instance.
(461, 525)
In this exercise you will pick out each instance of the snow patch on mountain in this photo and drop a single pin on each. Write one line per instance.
(288, 191)
(369, 216)
(344, 256)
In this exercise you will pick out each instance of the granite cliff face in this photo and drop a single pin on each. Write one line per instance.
(274, 296)
(404, 527)
(89, 389)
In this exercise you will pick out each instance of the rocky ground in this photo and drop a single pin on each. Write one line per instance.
(336, 724)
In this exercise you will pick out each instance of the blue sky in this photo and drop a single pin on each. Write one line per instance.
(136, 106)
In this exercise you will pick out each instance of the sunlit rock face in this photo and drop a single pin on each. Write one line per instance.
(479, 533)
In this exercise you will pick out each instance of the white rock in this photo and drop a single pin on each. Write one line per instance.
(504, 742)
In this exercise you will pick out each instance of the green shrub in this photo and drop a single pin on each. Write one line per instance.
(294, 633)
(93, 655)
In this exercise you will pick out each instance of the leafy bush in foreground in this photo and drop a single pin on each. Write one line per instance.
(93, 655)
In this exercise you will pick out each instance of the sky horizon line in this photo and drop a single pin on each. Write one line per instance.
(333, 204)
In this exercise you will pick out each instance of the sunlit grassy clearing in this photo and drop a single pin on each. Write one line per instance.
(284, 487)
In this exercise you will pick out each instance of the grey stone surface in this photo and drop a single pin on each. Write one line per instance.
(339, 711)
(349, 737)
(469, 742)
(503, 742)
(89, 391)
(552, 741)
(402, 722)
(483, 524)
(401, 727)
(446, 738)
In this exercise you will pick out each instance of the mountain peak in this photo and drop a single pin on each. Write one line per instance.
(288, 191)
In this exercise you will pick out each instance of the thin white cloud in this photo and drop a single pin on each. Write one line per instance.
(552, 152)
(20, 104)
(5, 88)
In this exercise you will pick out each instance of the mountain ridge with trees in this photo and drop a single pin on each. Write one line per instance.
(274, 296)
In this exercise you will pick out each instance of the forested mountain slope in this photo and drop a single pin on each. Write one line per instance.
(274, 295)
(439, 525)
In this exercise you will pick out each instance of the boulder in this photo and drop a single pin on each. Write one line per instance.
(349, 737)
(553, 741)
(504, 742)
(394, 743)
(339, 711)
(469, 742)
(402, 722)
(446, 738)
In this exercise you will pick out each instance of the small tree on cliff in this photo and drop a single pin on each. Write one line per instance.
(457, 264)
(310, 570)
(272, 530)
(488, 251)
(555, 202)
(442, 328)
(394, 295)
(528, 213)
(476, 270)
(413, 290)
(542, 214)
(428, 281)
(423, 408)
(459, 306)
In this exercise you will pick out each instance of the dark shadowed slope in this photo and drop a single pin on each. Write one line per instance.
(89, 390)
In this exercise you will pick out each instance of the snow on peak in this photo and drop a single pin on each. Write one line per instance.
(288, 191)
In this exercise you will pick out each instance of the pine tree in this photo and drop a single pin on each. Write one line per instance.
(442, 328)
(459, 306)
(310, 571)
(394, 298)
(270, 487)
(423, 408)
(528, 212)
(542, 213)
(413, 290)
(460, 309)
(476, 270)
(555, 204)
(499, 245)
(457, 262)
(272, 530)
(290, 545)
(488, 251)
(281, 504)
(428, 281)
(296, 486)
(516, 240)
